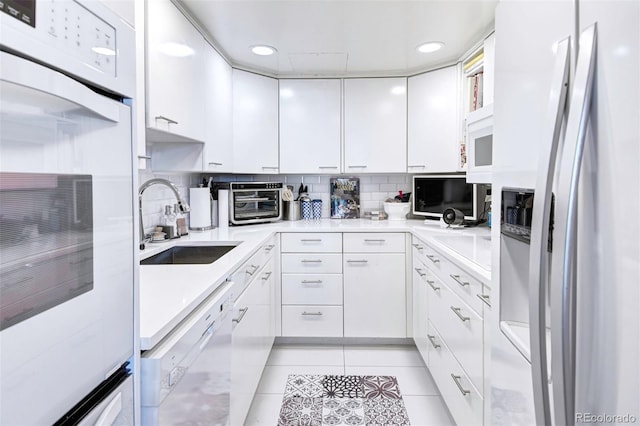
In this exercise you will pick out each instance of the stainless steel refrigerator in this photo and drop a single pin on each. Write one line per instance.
(566, 152)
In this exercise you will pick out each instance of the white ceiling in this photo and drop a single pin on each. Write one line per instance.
(343, 37)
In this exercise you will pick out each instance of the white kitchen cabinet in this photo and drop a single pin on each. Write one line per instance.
(432, 134)
(255, 123)
(254, 320)
(420, 306)
(175, 72)
(218, 88)
(374, 288)
(375, 125)
(310, 119)
(312, 287)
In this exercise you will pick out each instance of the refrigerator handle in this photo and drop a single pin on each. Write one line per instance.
(564, 258)
(540, 223)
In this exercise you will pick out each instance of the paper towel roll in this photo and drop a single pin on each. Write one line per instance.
(200, 203)
(223, 208)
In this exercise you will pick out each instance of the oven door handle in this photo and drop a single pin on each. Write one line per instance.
(25, 73)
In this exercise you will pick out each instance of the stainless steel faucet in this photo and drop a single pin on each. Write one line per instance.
(182, 205)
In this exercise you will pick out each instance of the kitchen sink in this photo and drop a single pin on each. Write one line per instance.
(189, 255)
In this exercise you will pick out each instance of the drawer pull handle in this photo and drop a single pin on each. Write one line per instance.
(311, 240)
(357, 167)
(374, 241)
(269, 248)
(311, 261)
(432, 339)
(168, 120)
(255, 268)
(243, 312)
(457, 312)
(433, 258)
(485, 298)
(431, 284)
(315, 314)
(213, 163)
(269, 168)
(327, 167)
(266, 276)
(311, 281)
(457, 380)
(419, 271)
(357, 261)
(457, 279)
(418, 246)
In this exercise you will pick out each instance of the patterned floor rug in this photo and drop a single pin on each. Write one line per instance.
(317, 400)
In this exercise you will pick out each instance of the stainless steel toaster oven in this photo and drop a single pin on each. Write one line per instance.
(255, 202)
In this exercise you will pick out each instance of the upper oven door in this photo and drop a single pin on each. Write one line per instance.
(66, 241)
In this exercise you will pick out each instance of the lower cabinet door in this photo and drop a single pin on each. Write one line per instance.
(251, 342)
(463, 400)
(374, 295)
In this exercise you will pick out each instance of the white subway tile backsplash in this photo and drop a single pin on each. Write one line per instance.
(369, 187)
(398, 178)
(388, 187)
(380, 179)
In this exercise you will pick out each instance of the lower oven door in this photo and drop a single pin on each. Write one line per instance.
(66, 241)
(255, 206)
(186, 379)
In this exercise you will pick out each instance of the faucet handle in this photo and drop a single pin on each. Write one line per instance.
(183, 206)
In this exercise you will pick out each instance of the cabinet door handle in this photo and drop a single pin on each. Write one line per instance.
(457, 380)
(311, 281)
(315, 314)
(266, 276)
(419, 271)
(422, 166)
(374, 241)
(433, 258)
(144, 157)
(213, 163)
(269, 168)
(168, 120)
(432, 339)
(418, 246)
(457, 312)
(457, 279)
(357, 167)
(311, 261)
(243, 312)
(485, 298)
(357, 261)
(311, 240)
(255, 268)
(431, 284)
(327, 167)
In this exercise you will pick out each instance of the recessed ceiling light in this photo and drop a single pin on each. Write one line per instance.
(429, 47)
(263, 50)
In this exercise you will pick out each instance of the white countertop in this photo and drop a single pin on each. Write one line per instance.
(168, 293)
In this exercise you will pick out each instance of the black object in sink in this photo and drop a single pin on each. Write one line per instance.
(188, 255)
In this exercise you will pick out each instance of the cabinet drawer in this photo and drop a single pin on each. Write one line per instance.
(460, 327)
(312, 289)
(375, 242)
(312, 321)
(310, 263)
(311, 242)
(462, 398)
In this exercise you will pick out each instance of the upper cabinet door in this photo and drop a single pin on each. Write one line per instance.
(310, 126)
(375, 125)
(432, 135)
(218, 147)
(255, 123)
(175, 64)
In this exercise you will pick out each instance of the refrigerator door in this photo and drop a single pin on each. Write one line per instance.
(608, 257)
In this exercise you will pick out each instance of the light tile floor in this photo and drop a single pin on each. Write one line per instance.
(423, 402)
